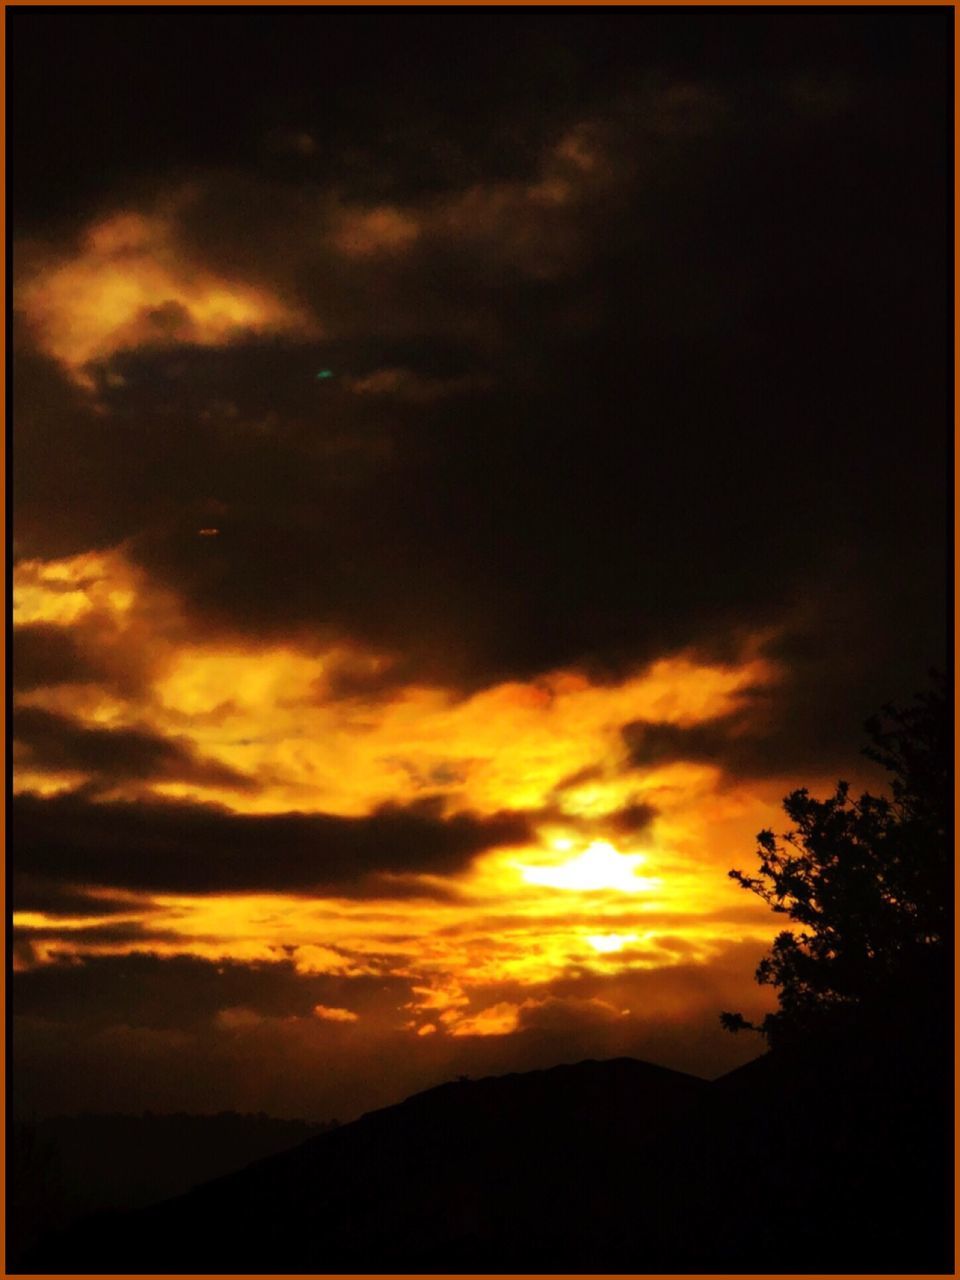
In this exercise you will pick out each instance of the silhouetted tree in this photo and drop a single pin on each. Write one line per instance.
(869, 883)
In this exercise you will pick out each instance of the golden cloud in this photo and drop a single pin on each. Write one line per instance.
(129, 285)
(582, 894)
(271, 714)
(332, 1014)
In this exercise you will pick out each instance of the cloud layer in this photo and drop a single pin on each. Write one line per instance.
(459, 489)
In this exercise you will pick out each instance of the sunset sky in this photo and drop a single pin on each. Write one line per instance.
(467, 467)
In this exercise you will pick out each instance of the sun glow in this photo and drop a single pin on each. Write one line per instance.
(607, 943)
(600, 866)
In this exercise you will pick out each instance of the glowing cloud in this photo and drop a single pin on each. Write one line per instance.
(368, 232)
(579, 893)
(129, 286)
(600, 866)
(329, 1014)
(273, 713)
(610, 942)
(498, 1020)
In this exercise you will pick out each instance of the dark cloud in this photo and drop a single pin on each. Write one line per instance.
(633, 818)
(554, 1014)
(122, 933)
(192, 848)
(185, 992)
(710, 355)
(843, 659)
(53, 898)
(837, 668)
(533, 67)
(48, 655)
(628, 821)
(653, 743)
(116, 755)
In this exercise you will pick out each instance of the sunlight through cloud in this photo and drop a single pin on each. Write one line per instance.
(600, 866)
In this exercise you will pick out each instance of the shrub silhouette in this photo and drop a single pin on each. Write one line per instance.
(869, 882)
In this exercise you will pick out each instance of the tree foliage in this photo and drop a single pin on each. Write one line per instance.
(868, 882)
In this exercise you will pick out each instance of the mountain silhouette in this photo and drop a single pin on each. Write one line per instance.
(824, 1161)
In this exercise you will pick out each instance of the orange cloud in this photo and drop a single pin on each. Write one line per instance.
(273, 713)
(129, 285)
(497, 1020)
(583, 894)
(363, 233)
(329, 1014)
(534, 225)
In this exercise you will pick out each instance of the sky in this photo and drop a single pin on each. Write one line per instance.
(468, 466)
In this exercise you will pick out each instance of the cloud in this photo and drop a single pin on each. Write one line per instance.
(51, 898)
(551, 1014)
(496, 1020)
(296, 142)
(373, 232)
(332, 1014)
(190, 848)
(60, 745)
(596, 496)
(324, 723)
(255, 1044)
(186, 992)
(808, 724)
(614, 437)
(718, 742)
(45, 654)
(407, 385)
(608, 1013)
(128, 286)
(122, 934)
(556, 1014)
(237, 1018)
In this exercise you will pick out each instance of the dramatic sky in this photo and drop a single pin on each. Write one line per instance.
(467, 467)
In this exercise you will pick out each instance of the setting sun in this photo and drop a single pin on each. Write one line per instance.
(599, 866)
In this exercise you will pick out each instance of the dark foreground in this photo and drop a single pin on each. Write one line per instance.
(831, 1160)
